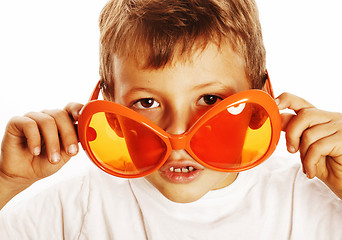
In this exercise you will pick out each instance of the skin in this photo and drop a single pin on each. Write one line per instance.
(178, 93)
(38, 144)
(317, 135)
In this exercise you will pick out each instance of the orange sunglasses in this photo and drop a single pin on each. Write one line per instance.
(236, 134)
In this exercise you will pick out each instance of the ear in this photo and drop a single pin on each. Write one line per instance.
(107, 90)
(114, 124)
(258, 117)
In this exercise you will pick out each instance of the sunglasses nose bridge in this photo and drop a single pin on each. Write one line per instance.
(178, 141)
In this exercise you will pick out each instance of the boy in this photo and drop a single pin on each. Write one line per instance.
(171, 61)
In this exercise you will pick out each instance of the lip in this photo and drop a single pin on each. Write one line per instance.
(180, 177)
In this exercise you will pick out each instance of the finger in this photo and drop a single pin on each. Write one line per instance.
(24, 127)
(328, 146)
(315, 133)
(49, 131)
(288, 100)
(285, 119)
(66, 130)
(306, 118)
(73, 109)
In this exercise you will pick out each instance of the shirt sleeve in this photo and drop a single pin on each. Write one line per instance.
(317, 211)
(56, 213)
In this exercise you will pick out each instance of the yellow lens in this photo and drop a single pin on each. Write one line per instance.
(122, 145)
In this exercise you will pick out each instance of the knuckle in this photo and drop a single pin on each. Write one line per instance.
(339, 134)
(337, 124)
(59, 114)
(316, 148)
(303, 113)
(19, 122)
(284, 97)
(29, 123)
(25, 121)
(31, 114)
(73, 109)
(15, 119)
(49, 111)
(48, 121)
(55, 113)
(307, 113)
(339, 116)
(286, 94)
(70, 105)
(308, 136)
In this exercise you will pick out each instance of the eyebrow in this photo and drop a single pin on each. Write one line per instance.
(132, 91)
(227, 89)
(139, 89)
(212, 84)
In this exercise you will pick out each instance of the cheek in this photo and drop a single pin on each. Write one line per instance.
(155, 115)
(155, 179)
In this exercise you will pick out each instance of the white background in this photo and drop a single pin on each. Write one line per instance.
(49, 53)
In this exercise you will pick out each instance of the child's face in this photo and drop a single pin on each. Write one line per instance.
(173, 98)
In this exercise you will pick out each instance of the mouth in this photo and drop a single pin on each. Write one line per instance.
(181, 171)
(186, 169)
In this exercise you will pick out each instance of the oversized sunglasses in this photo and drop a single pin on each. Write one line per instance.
(236, 134)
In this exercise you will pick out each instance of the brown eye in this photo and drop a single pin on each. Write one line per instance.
(209, 100)
(146, 103)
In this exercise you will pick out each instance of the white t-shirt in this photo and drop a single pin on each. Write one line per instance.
(272, 201)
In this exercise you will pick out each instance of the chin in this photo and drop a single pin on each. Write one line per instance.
(179, 193)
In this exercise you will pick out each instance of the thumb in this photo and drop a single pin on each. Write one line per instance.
(73, 109)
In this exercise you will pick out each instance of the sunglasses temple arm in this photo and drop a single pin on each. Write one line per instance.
(268, 85)
(96, 92)
(94, 96)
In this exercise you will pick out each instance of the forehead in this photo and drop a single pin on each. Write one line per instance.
(211, 64)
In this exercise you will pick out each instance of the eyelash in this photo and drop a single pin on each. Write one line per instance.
(139, 104)
(205, 103)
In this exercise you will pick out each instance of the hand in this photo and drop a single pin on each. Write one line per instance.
(317, 135)
(38, 144)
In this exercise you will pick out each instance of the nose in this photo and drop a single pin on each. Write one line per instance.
(177, 122)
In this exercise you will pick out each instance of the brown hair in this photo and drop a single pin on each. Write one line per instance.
(160, 30)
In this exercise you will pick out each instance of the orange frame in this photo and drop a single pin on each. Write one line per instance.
(181, 141)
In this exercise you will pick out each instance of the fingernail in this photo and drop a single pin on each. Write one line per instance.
(36, 151)
(277, 101)
(72, 149)
(291, 149)
(55, 157)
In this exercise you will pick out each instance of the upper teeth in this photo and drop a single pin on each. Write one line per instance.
(183, 169)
